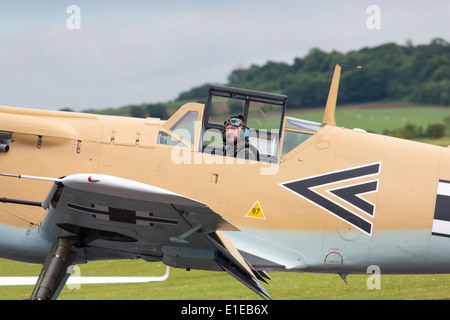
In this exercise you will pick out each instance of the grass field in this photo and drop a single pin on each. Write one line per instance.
(380, 117)
(195, 284)
(204, 285)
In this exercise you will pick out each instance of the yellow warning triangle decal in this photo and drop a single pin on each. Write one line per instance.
(256, 211)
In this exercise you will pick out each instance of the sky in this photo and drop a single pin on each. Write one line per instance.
(111, 53)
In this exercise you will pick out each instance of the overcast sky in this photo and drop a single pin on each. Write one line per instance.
(133, 52)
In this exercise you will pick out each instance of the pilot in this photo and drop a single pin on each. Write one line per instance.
(236, 139)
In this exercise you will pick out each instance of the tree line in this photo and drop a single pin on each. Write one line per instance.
(390, 72)
(412, 131)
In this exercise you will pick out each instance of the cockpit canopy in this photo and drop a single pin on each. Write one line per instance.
(270, 132)
(262, 112)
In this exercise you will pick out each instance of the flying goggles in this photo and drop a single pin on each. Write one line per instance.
(234, 122)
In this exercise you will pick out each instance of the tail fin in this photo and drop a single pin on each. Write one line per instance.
(330, 109)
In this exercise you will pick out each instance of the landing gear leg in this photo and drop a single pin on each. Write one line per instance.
(54, 271)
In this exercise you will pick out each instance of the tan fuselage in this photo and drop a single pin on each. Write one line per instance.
(56, 144)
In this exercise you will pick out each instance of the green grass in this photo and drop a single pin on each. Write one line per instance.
(378, 119)
(205, 285)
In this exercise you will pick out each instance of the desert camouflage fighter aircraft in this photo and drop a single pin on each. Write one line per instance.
(208, 190)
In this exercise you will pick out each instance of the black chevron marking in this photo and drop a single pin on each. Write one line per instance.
(304, 188)
(350, 194)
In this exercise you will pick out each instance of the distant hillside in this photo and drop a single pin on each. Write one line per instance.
(390, 72)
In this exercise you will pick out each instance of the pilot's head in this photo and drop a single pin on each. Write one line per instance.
(234, 128)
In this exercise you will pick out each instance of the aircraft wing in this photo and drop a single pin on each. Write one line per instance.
(109, 215)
